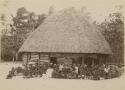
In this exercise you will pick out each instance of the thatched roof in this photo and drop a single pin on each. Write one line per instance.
(67, 31)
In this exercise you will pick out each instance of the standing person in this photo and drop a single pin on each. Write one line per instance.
(49, 72)
(79, 68)
(101, 70)
(61, 67)
(73, 67)
(106, 70)
(76, 70)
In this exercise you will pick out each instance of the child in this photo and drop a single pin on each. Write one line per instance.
(9, 76)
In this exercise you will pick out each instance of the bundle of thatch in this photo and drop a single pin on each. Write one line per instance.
(67, 31)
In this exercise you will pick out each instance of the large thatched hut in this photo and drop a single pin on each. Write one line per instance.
(66, 36)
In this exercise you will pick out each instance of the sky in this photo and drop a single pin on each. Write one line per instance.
(98, 9)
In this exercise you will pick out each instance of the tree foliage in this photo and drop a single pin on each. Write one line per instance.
(23, 24)
(113, 30)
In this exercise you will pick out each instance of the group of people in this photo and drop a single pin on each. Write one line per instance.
(77, 71)
(74, 71)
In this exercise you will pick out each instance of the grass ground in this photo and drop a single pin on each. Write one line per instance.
(18, 83)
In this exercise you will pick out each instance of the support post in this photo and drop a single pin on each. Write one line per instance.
(39, 64)
(30, 55)
(83, 61)
(39, 56)
(39, 59)
(93, 62)
(100, 60)
(26, 67)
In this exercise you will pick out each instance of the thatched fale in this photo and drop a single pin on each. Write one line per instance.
(67, 31)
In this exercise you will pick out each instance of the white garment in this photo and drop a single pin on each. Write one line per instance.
(76, 69)
(60, 67)
(49, 73)
(106, 70)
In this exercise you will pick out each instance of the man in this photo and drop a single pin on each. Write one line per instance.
(76, 71)
(106, 70)
(49, 72)
(61, 67)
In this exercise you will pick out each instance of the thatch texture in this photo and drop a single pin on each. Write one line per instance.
(67, 31)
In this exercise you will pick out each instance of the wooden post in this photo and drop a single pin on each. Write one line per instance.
(39, 63)
(30, 55)
(26, 67)
(27, 58)
(49, 57)
(83, 61)
(100, 60)
(39, 59)
(14, 55)
(17, 56)
(39, 56)
(0, 51)
(93, 63)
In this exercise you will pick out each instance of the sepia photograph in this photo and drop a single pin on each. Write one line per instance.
(62, 45)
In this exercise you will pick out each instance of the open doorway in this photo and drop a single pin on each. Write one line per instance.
(88, 61)
(53, 60)
(76, 61)
(96, 61)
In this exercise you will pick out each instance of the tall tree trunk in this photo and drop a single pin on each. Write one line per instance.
(13, 58)
(0, 49)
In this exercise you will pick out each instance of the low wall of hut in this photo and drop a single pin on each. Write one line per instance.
(69, 58)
